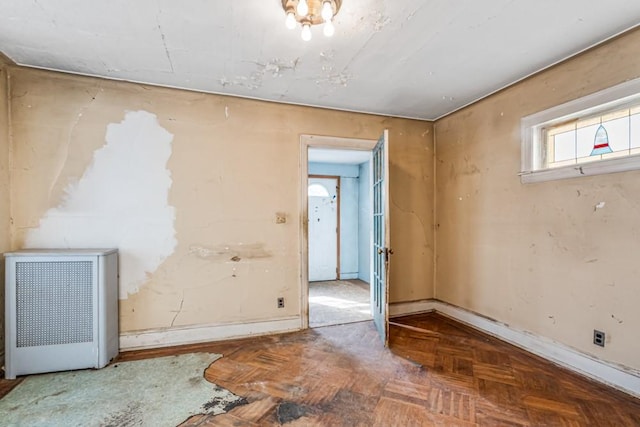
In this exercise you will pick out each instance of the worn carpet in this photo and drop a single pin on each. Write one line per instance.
(154, 392)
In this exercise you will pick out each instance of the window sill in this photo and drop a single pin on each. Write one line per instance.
(622, 164)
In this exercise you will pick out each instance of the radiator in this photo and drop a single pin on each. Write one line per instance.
(61, 310)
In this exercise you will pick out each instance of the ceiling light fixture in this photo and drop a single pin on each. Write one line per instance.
(311, 12)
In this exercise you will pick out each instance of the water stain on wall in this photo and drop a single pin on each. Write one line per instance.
(231, 252)
(121, 201)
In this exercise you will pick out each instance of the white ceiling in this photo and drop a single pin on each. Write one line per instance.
(407, 58)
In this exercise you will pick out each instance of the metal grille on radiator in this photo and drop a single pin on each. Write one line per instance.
(54, 303)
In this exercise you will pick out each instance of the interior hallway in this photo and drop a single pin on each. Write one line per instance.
(446, 375)
(336, 302)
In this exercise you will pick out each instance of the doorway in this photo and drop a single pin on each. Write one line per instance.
(339, 230)
(377, 231)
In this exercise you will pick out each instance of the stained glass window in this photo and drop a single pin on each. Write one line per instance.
(613, 134)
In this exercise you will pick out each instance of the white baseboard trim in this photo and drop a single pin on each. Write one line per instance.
(398, 309)
(156, 338)
(570, 358)
(347, 276)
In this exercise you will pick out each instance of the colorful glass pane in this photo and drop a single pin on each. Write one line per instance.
(618, 133)
(601, 142)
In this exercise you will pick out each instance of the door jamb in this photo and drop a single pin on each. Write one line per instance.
(306, 142)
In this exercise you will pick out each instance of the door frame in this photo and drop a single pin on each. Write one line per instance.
(306, 142)
(337, 178)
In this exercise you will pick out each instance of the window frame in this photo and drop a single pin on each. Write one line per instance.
(533, 139)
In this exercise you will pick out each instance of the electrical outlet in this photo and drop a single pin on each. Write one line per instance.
(280, 302)
(598, 337)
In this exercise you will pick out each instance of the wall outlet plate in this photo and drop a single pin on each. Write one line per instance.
(598, 337)
(280, 302)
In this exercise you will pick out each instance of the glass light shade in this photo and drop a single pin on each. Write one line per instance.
(327, 11)
(303, 8)
(329, 29)
(290, 22)
(306, 32)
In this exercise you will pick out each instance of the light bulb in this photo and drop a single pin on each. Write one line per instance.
(328, 29)
(303, 8)
(306, 32)
(290, 22)
(327, 11)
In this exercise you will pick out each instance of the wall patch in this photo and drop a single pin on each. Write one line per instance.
(120, 201)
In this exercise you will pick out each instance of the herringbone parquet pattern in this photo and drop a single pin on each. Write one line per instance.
(436, 373)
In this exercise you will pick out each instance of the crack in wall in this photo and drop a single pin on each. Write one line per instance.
(66, 146)
(178, 312)
(412, 212)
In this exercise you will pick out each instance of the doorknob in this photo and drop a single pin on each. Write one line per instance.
(386, 252)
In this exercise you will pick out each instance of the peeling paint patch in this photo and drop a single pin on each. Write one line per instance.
(340, 79)
(598, 206)
(121, 201)
(234, 253)
(274, 68)
(380, 21)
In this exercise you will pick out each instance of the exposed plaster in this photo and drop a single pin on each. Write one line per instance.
(329, 76)
(274, 67)
(121, 201)
(380, 21)
(339, 79)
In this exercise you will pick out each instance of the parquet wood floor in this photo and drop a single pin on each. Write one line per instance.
(436, 373)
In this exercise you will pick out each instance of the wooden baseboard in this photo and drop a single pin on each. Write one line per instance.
(619, 377)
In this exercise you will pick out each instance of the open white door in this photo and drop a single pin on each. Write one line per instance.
(381, 250)
(323, 228)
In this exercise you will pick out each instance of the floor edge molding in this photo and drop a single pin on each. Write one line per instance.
(157, 338)
(555, 352)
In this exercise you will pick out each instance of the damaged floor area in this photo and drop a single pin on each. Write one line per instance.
(436, 372)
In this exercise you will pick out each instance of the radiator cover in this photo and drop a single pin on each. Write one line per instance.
(61, 310)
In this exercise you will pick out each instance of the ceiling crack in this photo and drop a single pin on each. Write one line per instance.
(164, 43)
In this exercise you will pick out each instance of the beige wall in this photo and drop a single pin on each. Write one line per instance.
(234, 164)
(4, 184)
(540, 257)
